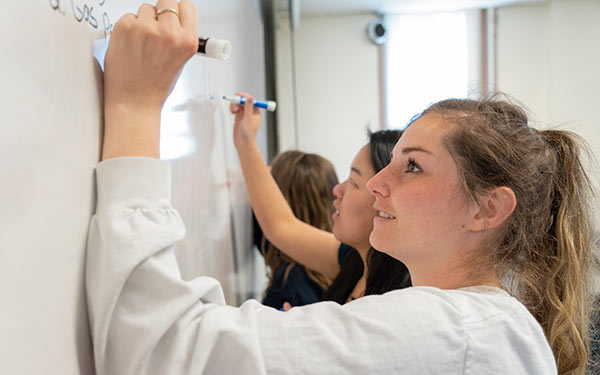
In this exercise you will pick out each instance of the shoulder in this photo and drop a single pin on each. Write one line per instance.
(343, 252)
(290, 275)
(473, 305)
(472, 308)
(498, 331)
(297, 288)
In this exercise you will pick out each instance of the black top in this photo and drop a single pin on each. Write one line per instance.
(343, 253)
(299, 289)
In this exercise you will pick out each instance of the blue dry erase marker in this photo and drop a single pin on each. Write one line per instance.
(269, 105)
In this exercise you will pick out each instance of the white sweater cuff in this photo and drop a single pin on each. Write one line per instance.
(126, 178)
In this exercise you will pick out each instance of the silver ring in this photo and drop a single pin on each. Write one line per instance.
(163, 10)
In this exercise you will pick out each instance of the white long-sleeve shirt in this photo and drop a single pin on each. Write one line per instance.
(146, 320)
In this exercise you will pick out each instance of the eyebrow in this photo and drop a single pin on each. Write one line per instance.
(407, 150)
(356, 171)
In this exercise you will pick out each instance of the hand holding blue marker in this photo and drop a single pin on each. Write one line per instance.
(269, 105)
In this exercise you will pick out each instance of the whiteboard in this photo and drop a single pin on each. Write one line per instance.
(51, 105)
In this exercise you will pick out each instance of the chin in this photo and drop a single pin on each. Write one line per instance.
(382, 243)
(336, 233)
(375, 241)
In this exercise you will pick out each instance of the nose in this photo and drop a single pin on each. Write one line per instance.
(338, 190)
(377, 184)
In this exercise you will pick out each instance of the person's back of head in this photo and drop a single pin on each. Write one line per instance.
(306, 181)
(546, 244)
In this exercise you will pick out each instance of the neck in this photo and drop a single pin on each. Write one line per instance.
(454, 283)
(460, 264)
(363, 251)
(446, 275)
(359, 288)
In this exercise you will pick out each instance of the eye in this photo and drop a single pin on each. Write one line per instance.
(413, 167)
(351, 181)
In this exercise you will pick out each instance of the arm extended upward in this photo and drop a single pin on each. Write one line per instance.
(312, 247)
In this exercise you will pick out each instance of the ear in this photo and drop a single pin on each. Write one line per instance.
(493, 209)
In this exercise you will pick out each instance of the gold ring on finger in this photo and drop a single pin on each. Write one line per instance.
(163, 10)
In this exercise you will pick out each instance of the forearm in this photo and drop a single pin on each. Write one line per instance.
(270, 206)
(310, 246)
(131, 130)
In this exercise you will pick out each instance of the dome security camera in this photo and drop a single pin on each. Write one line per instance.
(377, 31)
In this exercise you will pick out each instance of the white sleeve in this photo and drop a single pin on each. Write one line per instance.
(146, 320)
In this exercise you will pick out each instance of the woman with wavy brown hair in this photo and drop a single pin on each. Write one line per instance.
(530, 232)
(306, 181)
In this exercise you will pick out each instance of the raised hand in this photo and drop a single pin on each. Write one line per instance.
(247, 121)
(145, 54)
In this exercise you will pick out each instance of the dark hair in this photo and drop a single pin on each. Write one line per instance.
(385, 273)
(306, 181)
(546, 243)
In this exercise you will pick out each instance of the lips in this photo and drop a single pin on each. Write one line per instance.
(385, 215)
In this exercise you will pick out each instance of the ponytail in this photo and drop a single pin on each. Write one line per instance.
(566, 289)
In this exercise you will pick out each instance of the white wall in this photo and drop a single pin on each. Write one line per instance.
(548, 56)
(336, 82)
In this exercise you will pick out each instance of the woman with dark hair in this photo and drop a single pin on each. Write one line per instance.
(306, 181)
(383, 273)
(344, 255)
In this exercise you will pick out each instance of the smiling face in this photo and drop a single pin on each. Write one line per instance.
(353, 219)
(423, 211)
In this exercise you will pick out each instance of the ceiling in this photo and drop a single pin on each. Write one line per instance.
(392, 6)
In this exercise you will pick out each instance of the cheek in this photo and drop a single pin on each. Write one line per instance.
(361, 207)
(358, 201)
(366, 207)
(426, 204)
(435, 209)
